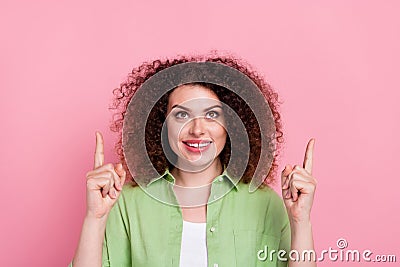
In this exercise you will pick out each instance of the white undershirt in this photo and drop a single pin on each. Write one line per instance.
(194, 246)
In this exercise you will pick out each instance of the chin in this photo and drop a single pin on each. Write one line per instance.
(192, 165)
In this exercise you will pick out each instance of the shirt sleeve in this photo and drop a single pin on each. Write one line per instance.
(117, 241)
(285, 241)
(281, 224)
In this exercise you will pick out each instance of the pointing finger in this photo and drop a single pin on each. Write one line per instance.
(99, 152)
(308, 158)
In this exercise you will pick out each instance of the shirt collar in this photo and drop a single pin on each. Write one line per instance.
(167, 175)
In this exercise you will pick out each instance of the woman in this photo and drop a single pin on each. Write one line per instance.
(214, 221)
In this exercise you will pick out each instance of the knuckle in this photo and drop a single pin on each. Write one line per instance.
(295, 176)
(90, 181)
(108, 174)
(297, 167)
(91, 173)
(109, 166)
(114, 176)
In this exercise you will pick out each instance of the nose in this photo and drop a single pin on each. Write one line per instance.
(196, 126)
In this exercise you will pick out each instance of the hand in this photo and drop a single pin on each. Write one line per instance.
(298, 187)
(103, 184)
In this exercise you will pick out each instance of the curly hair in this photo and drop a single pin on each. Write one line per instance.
(127, 89)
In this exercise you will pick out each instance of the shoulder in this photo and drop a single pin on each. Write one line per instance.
(264, 194)
(135, 197)
(129, 196)
(133, 200)
(265, 200)
(262, 210)
(129, 191)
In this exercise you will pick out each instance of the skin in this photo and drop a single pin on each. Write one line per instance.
(195, 113)
(103, 187)
(298, 189)
(104, 182)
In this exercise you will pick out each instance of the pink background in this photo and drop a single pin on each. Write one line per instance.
(335, 65)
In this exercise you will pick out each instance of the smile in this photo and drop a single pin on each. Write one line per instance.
(196, 145)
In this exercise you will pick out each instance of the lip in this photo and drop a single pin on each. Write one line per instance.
(198, 142)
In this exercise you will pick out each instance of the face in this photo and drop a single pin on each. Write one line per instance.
(196, 126)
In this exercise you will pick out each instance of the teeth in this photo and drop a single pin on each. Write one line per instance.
(197, 145)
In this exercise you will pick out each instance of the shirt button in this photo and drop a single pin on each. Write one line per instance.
(220, 179)
(212, 229)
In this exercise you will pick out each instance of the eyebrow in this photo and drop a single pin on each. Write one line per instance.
(188, 109)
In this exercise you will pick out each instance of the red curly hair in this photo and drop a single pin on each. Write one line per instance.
(127, 89)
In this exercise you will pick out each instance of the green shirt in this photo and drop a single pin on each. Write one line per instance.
(145, 232)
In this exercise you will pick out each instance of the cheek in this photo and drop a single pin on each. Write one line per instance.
(172, 136)
(220, 134)
(174, 131)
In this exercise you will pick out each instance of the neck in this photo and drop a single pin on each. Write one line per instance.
(201, 178)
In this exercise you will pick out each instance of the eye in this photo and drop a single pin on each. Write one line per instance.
(212, 115)
(181, 115)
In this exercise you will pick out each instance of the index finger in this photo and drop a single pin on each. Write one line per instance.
(99, 152)
(308, 157)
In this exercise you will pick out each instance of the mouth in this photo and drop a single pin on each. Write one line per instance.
(197, 145)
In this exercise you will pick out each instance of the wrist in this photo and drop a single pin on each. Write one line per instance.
(300, 229)
(93, 219)
(299, 218)
(303, 223)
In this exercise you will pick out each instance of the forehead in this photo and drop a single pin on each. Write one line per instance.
(189, 93)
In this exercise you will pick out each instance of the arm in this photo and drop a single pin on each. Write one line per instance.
(298, 188)
(104, 185)
(302, 239)
(89, 250)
